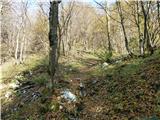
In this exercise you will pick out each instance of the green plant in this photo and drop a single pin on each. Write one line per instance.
(42, 79)
(104, 56)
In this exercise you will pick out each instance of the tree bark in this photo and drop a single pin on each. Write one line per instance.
(158, 11)
(53, 39)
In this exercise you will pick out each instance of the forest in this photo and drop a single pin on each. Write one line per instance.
(80, 60)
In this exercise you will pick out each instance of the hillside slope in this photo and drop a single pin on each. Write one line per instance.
(127, 90)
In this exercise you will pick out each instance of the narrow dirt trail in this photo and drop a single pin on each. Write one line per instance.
(83, 73)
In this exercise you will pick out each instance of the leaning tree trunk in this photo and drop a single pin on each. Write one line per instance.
(53, 39)
(123, 28)
(108, 30)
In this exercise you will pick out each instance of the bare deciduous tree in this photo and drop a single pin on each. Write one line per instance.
(123, 27)
(106, 9)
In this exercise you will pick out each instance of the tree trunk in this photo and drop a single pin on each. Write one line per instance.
(158, 11)
(123, 28)
(17, 48)
(108, 32)
(145, 32)
(22, 49)
(59, 42)
(63, 48)
(53, 39)
(137, 21)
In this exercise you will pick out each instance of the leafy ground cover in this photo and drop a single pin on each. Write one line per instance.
(124, 90)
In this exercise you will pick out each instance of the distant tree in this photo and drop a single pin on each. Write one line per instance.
(6, 30)
(118, 3)
(136, 13)
(65, 20)
(40, 30)
(106, 10)
(21, 37)
(151, 28)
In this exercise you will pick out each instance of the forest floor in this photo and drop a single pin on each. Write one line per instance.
(124, 90)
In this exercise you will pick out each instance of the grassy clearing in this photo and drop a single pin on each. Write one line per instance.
(9, 70)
